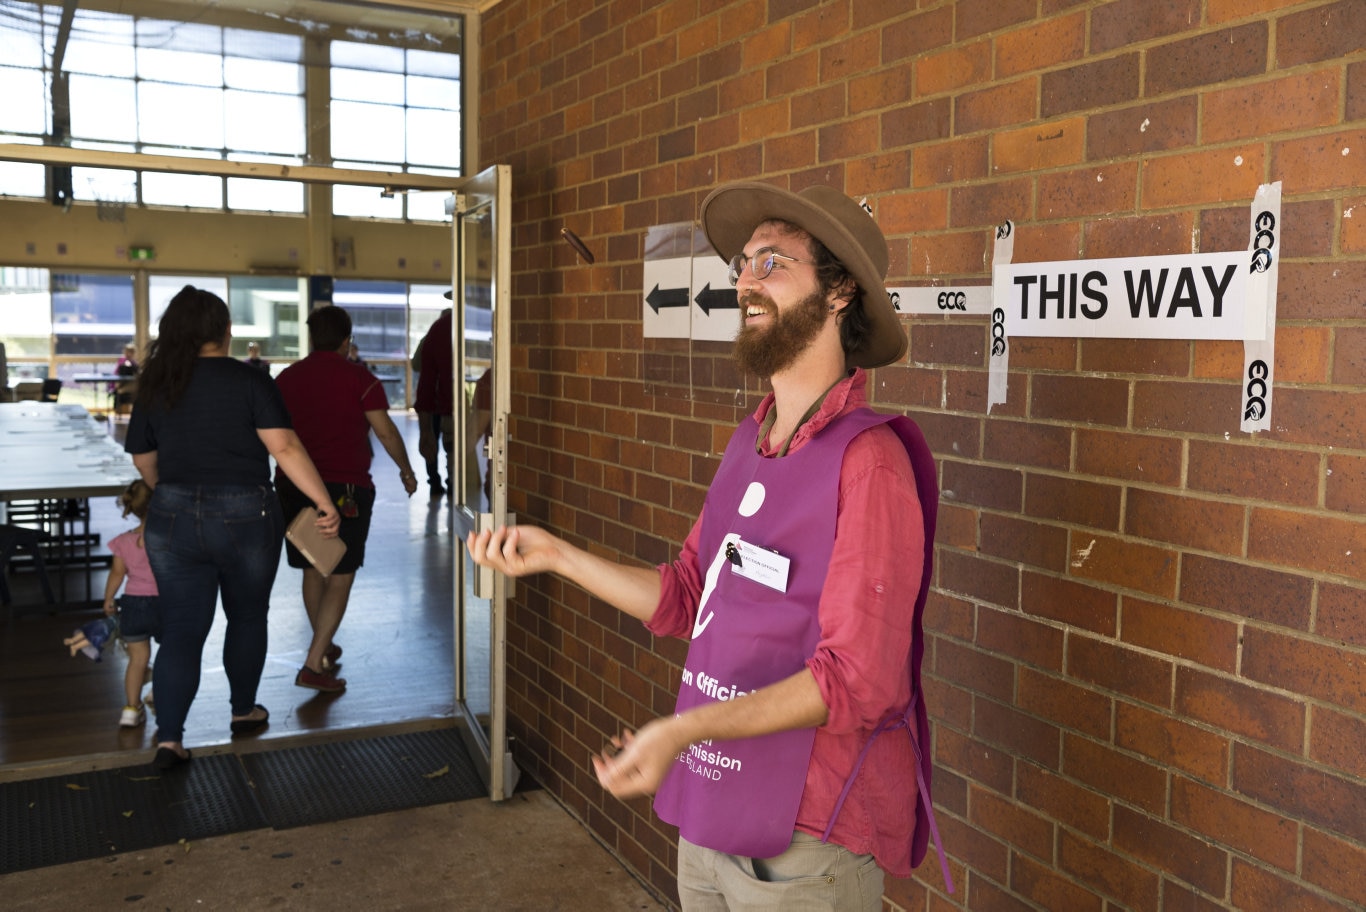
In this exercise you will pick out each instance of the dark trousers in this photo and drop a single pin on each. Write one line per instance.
(202, 540)
(434, 464)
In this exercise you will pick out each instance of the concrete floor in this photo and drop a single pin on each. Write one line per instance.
(526, 853)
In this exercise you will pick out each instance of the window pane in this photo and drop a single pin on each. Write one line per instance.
(379, 312)
(263, 75)
(364, 85)
(428, 206)
(161, 288)
(103, 184)
(180, 67)
(182, 36)
(367, 57)
(265, 309)
(197, 191)
(365, 202)
(103, 109)
(27, 306)
(258, 122)
(19, 44)
(433, 137)
(265, 195)
(175, 115)
(22, 179)
(100, 43)
(25, 107)
(425, 304)
(425, 92)
(434, 63)
(367, 132)
(262, 46)
(91, 314)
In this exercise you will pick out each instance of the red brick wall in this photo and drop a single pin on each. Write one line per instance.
(1147, 631)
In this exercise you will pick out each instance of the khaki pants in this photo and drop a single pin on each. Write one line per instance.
(811, 876)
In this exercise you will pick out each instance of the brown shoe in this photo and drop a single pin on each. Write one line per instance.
(319, 680)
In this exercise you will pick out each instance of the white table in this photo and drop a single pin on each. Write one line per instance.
(51, 452)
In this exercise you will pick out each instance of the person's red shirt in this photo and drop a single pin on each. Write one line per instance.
(435, 382)
(327, 397)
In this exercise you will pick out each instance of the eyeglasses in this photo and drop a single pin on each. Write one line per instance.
(760, 264)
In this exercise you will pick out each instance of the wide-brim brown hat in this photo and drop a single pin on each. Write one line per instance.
(731, 212)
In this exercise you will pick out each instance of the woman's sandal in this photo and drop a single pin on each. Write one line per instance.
(251, 726)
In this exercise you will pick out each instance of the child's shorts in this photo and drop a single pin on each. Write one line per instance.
(139, 618)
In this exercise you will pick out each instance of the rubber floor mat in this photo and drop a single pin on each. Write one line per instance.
(325, 782)
(87, 815)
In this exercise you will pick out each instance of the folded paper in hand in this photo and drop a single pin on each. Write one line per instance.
(323, 553)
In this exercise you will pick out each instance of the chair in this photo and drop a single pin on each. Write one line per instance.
(125, 391)
(20, 538)
(51, 388)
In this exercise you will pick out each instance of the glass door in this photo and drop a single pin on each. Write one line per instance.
(482, 330)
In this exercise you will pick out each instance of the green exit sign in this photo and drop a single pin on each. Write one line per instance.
(142, 253)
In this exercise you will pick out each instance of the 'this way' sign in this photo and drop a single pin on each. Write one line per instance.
(1196, 296)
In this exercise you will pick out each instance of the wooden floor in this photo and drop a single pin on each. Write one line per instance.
(397, 636)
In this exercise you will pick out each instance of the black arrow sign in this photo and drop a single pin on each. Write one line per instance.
(720, 299)
(668, 297)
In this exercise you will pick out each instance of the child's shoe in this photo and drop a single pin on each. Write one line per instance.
(133, 716)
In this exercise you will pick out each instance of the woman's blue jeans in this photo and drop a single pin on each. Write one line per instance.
(202, 540)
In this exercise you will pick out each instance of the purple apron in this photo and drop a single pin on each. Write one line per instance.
(741, 797)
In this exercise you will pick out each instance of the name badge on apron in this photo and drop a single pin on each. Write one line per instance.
(768, 568)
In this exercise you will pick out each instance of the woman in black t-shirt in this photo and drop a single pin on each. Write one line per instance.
(202, 432)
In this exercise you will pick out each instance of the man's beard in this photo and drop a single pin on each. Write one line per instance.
(767, 350)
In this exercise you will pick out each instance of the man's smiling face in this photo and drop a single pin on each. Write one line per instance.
(784, 311)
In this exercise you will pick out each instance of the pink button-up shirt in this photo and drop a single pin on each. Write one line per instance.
(862, 661)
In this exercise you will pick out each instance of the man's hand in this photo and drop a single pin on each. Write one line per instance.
(637, 763)
(515, 550)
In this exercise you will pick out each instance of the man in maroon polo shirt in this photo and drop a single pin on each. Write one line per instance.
(334, 405)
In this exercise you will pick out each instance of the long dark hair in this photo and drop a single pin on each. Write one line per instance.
(193, 319)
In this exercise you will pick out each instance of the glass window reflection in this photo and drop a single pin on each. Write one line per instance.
(91, 314)
(265, 310)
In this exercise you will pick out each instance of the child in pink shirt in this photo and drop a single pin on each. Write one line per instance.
(139, 619)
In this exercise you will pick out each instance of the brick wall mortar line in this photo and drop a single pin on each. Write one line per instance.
(1241, 622)
(1165, 820)
(1346, 581)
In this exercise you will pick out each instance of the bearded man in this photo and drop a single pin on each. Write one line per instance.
(796, 766)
